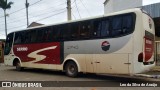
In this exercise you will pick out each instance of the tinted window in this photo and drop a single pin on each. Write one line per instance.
(97, 28)
(116, 25)
(101, 28)
(56, 33)
(40, 35)
(127, 23)
(50, 35)
(105, 28)
(85, 29)
(27, 37)
(74, 30)
(33, 35)
(17, 38)
(65, 32)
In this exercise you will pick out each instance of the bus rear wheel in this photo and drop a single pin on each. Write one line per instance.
(71, 69)
(18, 66)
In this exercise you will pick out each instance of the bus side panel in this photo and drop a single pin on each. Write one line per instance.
(39, 53)
(111, 64)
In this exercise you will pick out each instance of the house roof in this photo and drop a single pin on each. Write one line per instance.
(33, 24)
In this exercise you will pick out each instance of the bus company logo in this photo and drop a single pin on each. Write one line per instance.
(22, 49)
(105, 45)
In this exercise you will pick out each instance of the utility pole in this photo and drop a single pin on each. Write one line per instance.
(69, 10)
(27, 5)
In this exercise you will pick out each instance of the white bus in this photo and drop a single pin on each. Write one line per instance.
(117, 43)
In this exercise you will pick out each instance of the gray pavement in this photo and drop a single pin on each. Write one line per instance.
(10, 74)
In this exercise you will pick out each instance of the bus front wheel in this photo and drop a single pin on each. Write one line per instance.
(71, 69)
(18, 66)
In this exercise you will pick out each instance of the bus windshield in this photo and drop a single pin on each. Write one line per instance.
(8, 44)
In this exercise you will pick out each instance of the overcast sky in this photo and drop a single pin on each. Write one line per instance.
(50, 11)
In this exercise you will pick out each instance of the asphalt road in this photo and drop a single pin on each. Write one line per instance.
(82, 82)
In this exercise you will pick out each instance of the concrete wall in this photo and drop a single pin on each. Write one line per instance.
(117, 5)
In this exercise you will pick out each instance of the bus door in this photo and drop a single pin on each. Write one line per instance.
(8, 58)
(90, 63)
(112, 63)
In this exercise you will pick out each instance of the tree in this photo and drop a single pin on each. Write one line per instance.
(5, 5)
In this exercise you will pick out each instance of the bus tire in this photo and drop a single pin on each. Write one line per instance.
(71, 69)
(18, 66)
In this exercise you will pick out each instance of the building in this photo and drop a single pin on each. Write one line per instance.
(111, 6)
(34, 24)
(117, 5)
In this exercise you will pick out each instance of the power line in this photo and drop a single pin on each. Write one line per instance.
(2, 34)
(52, 15)
(17, 27)
(77, 9)
(22, 8)
(24, 16)
(85, 8)
(39, 19)
(34, 16)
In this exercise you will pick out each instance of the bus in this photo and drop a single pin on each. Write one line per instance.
(118, 43)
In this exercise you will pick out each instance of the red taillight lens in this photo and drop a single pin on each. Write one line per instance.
(140, 57)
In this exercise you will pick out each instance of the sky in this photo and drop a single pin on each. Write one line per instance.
(50, 12)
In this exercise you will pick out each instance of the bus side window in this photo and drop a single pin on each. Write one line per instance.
(56, 33)
(40, 35)
(33, 36)
(17, 38)
(105, 28)
(65, 32)
(27, 37)
(127, 24)
(116, 26)
(50, 34)
(74, 30)
(96, 28)
(85, 29)
(45, 34)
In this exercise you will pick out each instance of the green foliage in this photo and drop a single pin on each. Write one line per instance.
(5, 5)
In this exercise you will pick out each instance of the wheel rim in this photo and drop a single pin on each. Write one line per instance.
(71, 69)
(18, 66)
